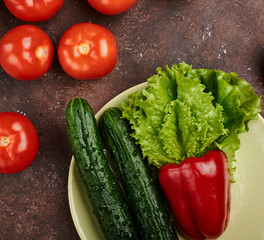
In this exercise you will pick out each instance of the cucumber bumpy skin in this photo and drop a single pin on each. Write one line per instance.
(152, 216)
(108, 205)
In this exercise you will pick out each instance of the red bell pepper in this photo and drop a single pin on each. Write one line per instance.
(198, 192)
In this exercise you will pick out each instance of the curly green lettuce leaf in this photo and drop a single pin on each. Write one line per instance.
(229, 145)
(185, 112)
(191, 123)
(240, 103)
(145, 111)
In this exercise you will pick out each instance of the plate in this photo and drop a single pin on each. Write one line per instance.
(247, 207)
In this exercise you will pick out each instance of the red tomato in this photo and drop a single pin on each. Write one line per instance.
(87, 51)
(34, 10)
(18, 142)
(26, 52)
(111, 7)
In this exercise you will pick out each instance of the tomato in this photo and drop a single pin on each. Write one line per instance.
(18, 142)
(111, 7)
(34, 10)
(26, 52)
(87, 51)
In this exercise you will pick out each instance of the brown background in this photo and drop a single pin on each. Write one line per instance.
(226, 35)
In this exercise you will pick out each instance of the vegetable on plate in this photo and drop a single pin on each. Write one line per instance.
(199, 193)
(148, 207)
(108, 205)
(19, 142)
(187, 122)
(185, 112)
(26, 52)
(87, 51)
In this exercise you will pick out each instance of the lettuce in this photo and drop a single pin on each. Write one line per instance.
(186, 112)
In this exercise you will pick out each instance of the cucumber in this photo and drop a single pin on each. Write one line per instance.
(108, 205)
(151, 214)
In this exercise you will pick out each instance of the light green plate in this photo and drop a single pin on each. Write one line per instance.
(247, 209)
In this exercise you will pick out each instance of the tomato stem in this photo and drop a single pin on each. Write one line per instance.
(4, 141)
(40, 52)
(84, 48)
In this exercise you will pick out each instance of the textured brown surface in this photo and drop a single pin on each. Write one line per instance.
(226, 35)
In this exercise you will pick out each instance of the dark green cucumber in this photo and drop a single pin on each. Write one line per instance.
(108, 205)
(152, 217)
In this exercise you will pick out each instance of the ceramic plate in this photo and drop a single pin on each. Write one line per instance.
(247, 209)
